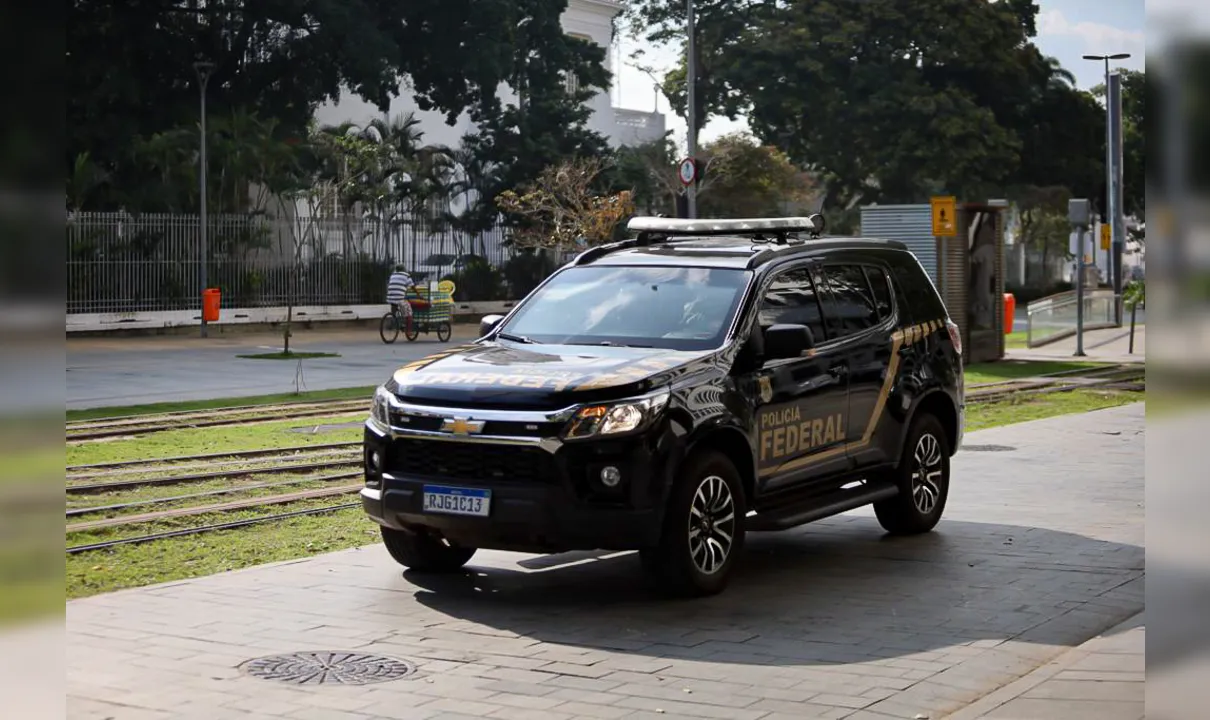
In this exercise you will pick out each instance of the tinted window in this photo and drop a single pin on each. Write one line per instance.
(791, 299)
(852, 308)
(882, 292)
(922, 301)
(662, 307)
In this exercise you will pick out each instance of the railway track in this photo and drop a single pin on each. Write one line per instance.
(135, 425)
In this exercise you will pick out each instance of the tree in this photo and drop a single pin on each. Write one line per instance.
(553, 80)
(648, 171)
(886, 100)
(743, 178)
(566, 208)
(131, 74)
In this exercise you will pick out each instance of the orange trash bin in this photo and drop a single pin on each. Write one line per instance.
(211, 299)
(1010, 312)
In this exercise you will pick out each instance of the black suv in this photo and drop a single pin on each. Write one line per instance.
(670, 393)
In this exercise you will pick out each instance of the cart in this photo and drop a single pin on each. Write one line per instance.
(429, 314)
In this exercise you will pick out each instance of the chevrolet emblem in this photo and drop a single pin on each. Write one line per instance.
(462, 426)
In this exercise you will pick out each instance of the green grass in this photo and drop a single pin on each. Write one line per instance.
(288, 356)
(232, 438)
(1038, 407)
(197, 555)
(216, 404)
(1016, 340)
(977, 373)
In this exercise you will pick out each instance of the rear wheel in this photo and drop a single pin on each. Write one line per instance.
(443, 332)
(923, 479)
(424, 553)
(388, 328)
(703, 529)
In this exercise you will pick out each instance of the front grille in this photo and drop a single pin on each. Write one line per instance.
(471, 461)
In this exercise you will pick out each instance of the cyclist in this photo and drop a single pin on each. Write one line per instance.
(397, 287)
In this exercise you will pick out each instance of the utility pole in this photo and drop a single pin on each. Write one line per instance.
(1112, 213)
(203, 70)
(691, 81)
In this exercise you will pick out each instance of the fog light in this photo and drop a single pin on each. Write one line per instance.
(610, 476)
(376, 460)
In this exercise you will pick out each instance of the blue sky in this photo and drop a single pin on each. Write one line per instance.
(1067, 29)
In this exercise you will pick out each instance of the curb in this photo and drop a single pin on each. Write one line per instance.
(988, 703)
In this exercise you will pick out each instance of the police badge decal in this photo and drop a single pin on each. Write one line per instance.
(766, 389)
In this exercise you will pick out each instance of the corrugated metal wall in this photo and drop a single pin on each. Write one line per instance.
(911, 225)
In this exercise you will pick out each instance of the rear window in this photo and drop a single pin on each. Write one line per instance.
(921, 301)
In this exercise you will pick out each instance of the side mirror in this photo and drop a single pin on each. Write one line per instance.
(489, 323)
(788, 341)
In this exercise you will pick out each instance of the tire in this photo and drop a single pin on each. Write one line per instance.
(424, 553)
(923, 477)
(444, 330)
(388, 328)
(687, 561)
(411, 330)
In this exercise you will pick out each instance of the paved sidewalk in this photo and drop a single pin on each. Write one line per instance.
(1102, 679)
(1041, 549)
(1106, 345)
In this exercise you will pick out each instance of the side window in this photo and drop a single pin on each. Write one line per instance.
(791, 299)
(882, 292)
(853, 307)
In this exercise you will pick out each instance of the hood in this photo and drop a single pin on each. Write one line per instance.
(497, 375)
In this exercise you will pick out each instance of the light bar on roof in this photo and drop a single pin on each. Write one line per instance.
(709, 226)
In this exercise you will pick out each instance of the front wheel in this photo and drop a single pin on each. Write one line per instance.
(424, 553)
(703, 529)
(443, 332)
(388, 328)
(923, 478)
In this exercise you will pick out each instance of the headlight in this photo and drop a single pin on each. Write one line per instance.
(380, 412)
(617, 418)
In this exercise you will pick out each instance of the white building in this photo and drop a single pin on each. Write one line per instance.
(588, 19)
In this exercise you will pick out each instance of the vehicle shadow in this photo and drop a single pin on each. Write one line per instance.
(831, 592)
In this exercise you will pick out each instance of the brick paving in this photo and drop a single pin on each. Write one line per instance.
(1041, 549)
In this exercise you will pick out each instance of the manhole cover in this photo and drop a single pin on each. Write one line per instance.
(333, 668)
(988, 448)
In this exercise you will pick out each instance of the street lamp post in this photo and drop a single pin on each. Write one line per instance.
(1111, 191)
(203, 70)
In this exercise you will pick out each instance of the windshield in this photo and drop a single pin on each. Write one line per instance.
(661, 307)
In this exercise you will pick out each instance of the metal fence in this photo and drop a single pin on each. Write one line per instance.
(118, 262)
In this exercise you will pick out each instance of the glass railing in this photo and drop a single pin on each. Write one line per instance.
(1054, 318)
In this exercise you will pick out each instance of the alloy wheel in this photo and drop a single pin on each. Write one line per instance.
(926, 473)
(711, 525)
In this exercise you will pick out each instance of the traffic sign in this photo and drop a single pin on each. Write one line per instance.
(687, 172)
(945, 216)
(1105, 236)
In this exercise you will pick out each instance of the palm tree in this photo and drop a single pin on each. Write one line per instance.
(1060, 77)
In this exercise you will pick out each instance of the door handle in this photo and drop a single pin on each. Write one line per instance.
(838, 371)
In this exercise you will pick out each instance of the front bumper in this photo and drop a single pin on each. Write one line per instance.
(543, 498)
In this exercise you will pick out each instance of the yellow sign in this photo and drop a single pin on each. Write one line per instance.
(945, 216)
(1105, 236)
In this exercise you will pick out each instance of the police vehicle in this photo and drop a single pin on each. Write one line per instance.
(671, 393)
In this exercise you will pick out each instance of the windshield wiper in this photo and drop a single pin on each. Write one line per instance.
(515, 338)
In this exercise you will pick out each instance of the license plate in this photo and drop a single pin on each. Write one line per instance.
(457, 501)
